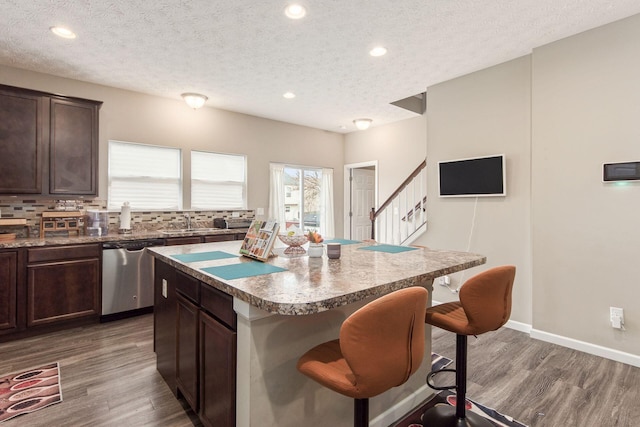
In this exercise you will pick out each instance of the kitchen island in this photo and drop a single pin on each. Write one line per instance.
(276, 318)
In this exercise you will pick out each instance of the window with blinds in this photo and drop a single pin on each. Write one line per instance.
(146, 176)
(218, 181)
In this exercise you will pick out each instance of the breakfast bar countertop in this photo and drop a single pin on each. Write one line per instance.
(53, 240)
(312, 285)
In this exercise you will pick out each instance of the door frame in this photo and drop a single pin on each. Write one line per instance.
(347, 191)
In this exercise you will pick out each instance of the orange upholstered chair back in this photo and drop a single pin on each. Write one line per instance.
(486, 299)
(383, 342)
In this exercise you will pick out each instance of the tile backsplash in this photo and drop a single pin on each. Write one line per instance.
(32, 210)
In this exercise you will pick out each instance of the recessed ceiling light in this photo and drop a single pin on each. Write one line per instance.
(378, 51)
(63, 32)
(289, 95)
(295, 11)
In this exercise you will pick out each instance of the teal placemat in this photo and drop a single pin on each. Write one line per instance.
(392, 249)
(244, 269)
(203, 256)
(342, 241)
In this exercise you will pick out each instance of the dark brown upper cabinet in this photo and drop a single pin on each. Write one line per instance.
(49, 144)
(21, 125)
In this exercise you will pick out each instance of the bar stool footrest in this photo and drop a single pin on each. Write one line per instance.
(431, 375)
(445, 416)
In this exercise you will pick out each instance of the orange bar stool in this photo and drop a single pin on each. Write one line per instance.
(380, 346)
(485, 305)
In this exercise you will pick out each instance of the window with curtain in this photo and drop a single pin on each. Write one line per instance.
(146, 176)
(218, 181)
(302, 196)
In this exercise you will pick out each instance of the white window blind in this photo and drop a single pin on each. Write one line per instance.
(146, 176)
(218, 181)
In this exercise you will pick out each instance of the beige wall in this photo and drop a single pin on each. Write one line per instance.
(397, 147)
(586, 234)
(484, 113)
(557, 114)
(136, 117)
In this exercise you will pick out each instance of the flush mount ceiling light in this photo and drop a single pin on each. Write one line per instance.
(289, 95)
(63, 32)
(362, 124)
(295, 11)
(378, 51)
(194, 100)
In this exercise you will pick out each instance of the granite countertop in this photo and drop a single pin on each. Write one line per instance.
(111, 237)
(311, 285)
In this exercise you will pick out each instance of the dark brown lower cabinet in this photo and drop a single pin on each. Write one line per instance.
(8, 290)
(205, 349)
(187, 350)
(217, 372)
(63, 283)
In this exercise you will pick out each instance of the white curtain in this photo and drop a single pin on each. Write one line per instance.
(326, 204)
(276, 195)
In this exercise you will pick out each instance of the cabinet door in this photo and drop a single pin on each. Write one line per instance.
(8, 289)
(217, 373)
(187, 350)
(73, 149)
(20, 142)
(60, 291)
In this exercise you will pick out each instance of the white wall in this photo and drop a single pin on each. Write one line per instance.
(484, 113)
(586, 235)
(136, 117)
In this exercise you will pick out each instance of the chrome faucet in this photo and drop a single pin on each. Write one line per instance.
(187, 218)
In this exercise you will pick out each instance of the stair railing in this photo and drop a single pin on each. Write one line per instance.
(404, 213)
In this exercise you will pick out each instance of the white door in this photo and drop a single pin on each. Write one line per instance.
(362, 200)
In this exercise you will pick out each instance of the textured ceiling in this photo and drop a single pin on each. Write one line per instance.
(244, 54)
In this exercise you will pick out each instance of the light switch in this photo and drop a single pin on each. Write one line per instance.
(260, 211)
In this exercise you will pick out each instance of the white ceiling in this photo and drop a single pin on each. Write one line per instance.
(244, 54)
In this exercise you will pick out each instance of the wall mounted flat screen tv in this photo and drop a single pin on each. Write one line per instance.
(478, 176)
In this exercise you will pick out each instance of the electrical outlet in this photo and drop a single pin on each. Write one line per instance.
(616, 315)
(444, 281)
(164, 288)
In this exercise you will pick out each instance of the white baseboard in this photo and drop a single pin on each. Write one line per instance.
(597, 350)
(518, 326)
(585, 347)
(402, 408)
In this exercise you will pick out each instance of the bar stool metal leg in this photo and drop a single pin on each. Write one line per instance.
(448, 416)
(361, 412)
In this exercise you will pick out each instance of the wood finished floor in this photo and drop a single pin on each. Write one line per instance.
(542, 384)
(109, 379)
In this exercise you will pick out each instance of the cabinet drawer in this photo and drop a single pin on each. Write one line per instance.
(62, 253)
(188, 286)
(218, 304)
(175, 241)
(219, 238)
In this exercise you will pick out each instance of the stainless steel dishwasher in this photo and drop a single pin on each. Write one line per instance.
(127, 278)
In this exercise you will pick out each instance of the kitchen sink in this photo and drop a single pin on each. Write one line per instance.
(188, 231)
